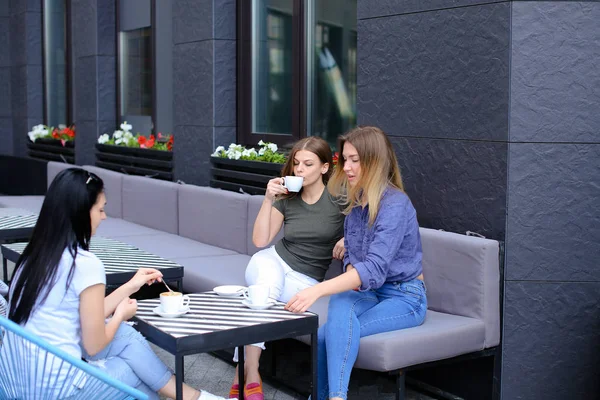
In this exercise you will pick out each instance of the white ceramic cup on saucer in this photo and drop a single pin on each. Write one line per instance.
(293, 183)
(173, 302)
(257, 294)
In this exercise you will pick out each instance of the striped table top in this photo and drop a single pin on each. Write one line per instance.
(210, 312)
(117, 257)
(16, 218)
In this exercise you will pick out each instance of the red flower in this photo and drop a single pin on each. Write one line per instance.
(69, 132)
(170, 143)
(150, 142)
(55, 134)
(336, 158)
(159, 135)
(142, 141)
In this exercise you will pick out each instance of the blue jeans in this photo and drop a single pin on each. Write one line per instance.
(353, 315)
(130, 359)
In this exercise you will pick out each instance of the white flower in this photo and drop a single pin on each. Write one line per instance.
(117, 134)
(272, 147)
(232, 146)
(118, 141)
(261, 152)
(126, 127)
(252, 152)
(32, 136)
(61, 126)
(40, 128)
(238, 154)
(218, 151)
(261, 143)
(103, 138)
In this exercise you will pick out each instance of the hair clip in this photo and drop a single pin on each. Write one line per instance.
(88, 180)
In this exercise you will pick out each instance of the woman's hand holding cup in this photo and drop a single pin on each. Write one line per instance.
(275, 188)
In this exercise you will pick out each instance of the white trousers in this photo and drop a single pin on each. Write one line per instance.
(267, 268)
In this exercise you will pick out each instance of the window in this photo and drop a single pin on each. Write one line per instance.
(296, 69)
(57, 110)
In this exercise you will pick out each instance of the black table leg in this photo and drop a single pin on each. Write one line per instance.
(241, 370)
(179, 376)
(5, 269)
(314, 351)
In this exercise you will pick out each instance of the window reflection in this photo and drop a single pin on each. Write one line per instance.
(136, 72)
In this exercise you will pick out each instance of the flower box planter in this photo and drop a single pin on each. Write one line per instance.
(241, 175)
(135, 161)
(52, 150)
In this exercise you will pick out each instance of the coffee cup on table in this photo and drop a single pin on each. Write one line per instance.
(173, 302)
(257, 294)
(293, 183)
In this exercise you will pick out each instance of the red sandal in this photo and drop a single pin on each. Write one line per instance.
(254, 391)
(234, 392)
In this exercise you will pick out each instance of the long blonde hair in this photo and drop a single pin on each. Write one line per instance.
(378, 170)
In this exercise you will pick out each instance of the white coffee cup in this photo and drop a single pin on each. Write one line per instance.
(257, 294)
(293, 183)
(173, 302)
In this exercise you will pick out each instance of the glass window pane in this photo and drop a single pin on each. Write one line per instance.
(272, 66)
(55, 65)
(136, 72)
(331, 67)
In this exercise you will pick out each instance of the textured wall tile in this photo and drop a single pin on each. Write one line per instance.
(225, 82)
(17, 6)
(224, 135)
(193, 84)
(440, 74)
(5, 97)
(86, 89)
(380, 8)
(18, 90)
(192, 148)
(21, 126)
(106, 18)
(550, 344)
(555, 80)
(192, 20)
(456, 185)
(553, 230)
(4, 8)
(18, 50)
(6, 136)
(26, 39)
(224, 19)
(84, 19)
(5, 42)
(87, 135)
(35, 92)
(107, 89)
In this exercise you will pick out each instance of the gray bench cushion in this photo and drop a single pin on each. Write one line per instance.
(151, 202)
(170, 246)
(254, 204)
(462, 276)
(29, 203)
(117, 228)
(113, 187)
(213, 216)
(204, 273)
(54, 168)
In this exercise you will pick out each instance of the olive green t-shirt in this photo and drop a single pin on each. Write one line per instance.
(310, 232)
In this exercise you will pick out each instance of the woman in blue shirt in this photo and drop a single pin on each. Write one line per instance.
(382, 261)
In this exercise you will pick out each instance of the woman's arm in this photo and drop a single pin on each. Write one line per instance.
(269, 219)
(143, 276)
(95, 334)
(304, 299)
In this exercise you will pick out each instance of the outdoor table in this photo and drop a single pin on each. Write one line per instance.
(217, 323)
(16, 223)
(121, 260)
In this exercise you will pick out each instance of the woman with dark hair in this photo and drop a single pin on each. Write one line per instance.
(382, 261)
(58, 293)
(313, 229)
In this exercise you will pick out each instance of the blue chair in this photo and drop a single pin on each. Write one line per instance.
(20, 379)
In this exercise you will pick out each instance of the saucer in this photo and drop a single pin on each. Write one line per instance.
(230, 290)
(269, 304)
(158, 310)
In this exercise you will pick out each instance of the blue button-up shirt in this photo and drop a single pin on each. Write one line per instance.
(390, 249)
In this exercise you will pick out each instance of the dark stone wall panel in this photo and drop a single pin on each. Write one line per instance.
(225, 83)
(224, 135)
(193, 84)
(194, 20)
(553, 230)
(106, 28)
(6, 134)
(549, 104)
(18, 86)
(5, 42)
(84, 17)
(550, 344)
(456, 185)
(19, 6)
(87, 134)
(381, 8)
(86, 89)
(21, 126)
(193, 146)
(440, 74)
(107, 95)
(4, 8)
(224, 19)
(5, 97)
(35, 92)
(18, 50)
(26, 39)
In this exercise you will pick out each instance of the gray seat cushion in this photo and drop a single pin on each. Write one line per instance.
(117, 228)
(171, 246)
(54, 168)
(204, 273)
(29, 203)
